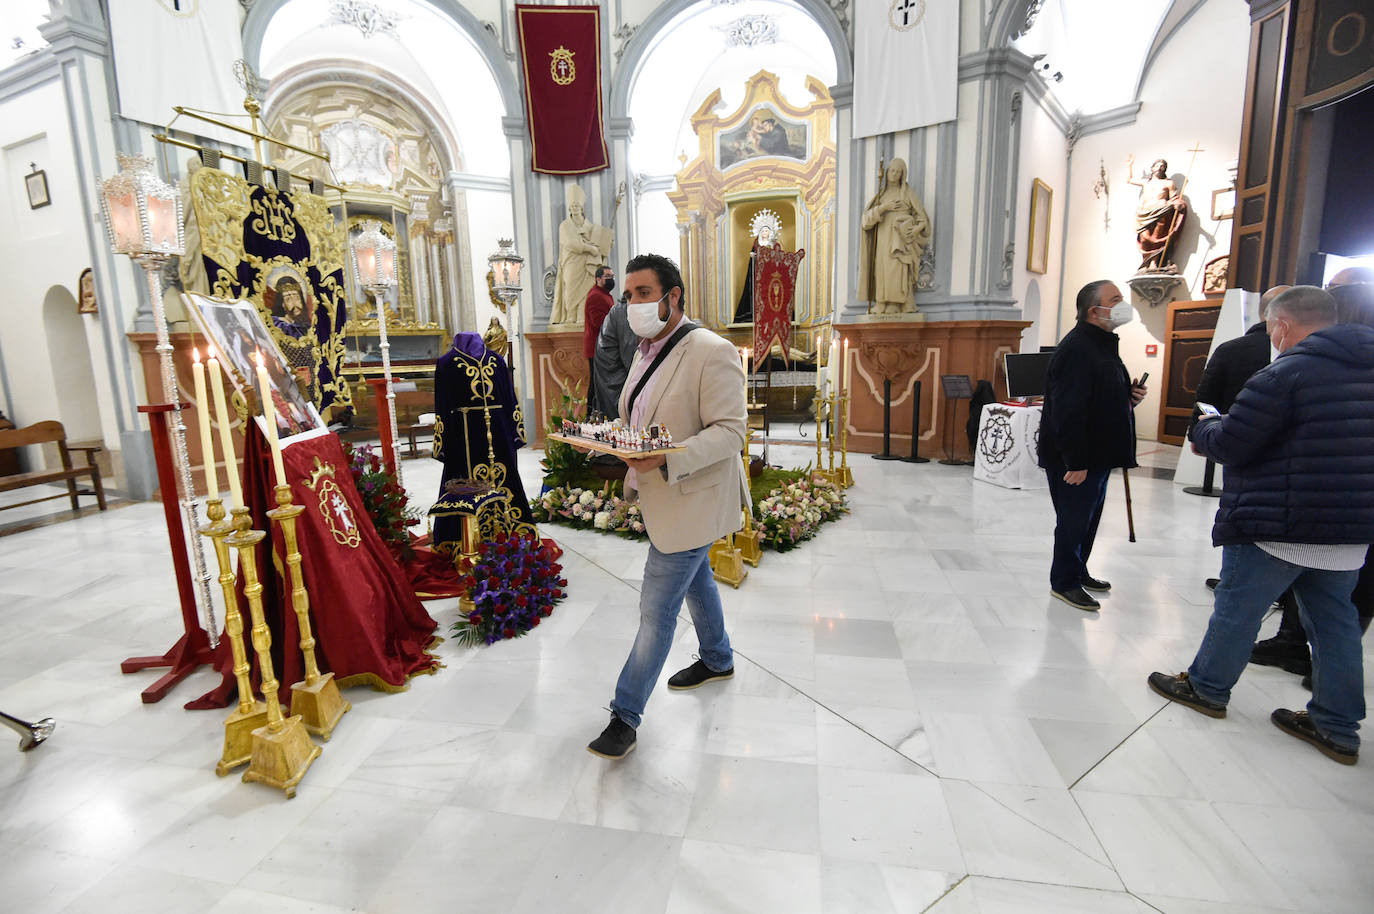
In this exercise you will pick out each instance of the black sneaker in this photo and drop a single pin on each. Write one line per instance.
(1092, 583)
(695, 676)
(1212, 583)
(1179, 689)
(616, 741)
(1297, 723)
(1078, 598)
(1283, 653)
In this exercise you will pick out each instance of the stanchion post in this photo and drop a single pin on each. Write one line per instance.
(916, 425)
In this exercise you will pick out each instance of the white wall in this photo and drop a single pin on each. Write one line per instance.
(1193, 94)
(1043, 156)
(489, 219)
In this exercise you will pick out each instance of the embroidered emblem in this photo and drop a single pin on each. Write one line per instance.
(561, 66)
(334, 507)
(905, 15)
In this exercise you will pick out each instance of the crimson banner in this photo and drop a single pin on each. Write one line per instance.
(560, 50)
(775, 279)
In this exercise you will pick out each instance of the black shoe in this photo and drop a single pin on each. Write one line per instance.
(1283, 653)
(1092, 583)
(1307, 682)
(616, 741)
(1297, 723)
(1212, 583)
(1078, 598)
(1179, 689)
(696, 675)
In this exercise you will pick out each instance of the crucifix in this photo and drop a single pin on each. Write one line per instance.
(905, 8)
(1197, 147)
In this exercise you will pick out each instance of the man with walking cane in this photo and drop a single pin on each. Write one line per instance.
(1087, 428)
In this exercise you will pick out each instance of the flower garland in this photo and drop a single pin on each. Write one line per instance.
(383, 498)
(794, 513)
(513, 586)
(585, 509)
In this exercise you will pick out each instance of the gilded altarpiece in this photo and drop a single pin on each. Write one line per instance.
(767, 154)
(285, 253)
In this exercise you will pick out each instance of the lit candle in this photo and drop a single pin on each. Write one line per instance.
(207, 443)
(226, 440)
(848, 365)
(270, 420)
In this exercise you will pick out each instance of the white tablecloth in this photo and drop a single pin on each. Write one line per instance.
(1004, 453)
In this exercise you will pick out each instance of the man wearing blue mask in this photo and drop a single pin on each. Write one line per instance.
(1087, 429)
(690, 380)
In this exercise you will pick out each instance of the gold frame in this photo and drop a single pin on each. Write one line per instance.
(1038, 233)
(1220, 195)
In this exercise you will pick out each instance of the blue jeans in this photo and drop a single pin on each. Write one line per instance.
(1251, 580)
(669, 577)
(1077, 509)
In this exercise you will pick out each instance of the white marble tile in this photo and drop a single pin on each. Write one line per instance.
(715, 877)
(977, 747)
(39, 881)
(137, 888)
(882, 817)
(1003, 896)
(251, 901)
(756, 803)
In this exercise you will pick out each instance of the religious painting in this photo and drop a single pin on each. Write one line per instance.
(1038, 244)
(36, 183)
(85, 293)
(765, 133)
(238, 335)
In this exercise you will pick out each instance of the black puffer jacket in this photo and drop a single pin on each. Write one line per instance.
(1088, 422)
(1298, 446)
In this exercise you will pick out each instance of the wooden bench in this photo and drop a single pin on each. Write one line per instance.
(410, 405)
(46, 433)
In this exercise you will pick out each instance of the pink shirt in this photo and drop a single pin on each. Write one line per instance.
(648, 351)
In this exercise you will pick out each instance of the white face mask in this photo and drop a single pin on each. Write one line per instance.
(644, 319)
(1120, 314)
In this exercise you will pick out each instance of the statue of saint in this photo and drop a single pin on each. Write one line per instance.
(1158, 216)
(896, 231)
(582, 247)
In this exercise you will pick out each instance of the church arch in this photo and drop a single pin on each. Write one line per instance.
(69, 354)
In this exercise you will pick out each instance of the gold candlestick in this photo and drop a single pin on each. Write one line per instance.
(282, 750)
(467, 559)
(820, 402)
(250, 714)
(844, 478)
(748, 539)
(727, 565)
(316, 700)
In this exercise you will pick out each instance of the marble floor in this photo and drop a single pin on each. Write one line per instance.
(914, 726)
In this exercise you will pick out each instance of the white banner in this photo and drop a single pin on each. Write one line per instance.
(178, 52)
(906, 64)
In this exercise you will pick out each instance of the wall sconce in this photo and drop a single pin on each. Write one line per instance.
(36, 183)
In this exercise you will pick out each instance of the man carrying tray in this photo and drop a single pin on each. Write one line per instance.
(690, 380)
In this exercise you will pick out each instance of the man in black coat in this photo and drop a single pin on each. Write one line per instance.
(1297, 510)
(1086, 429)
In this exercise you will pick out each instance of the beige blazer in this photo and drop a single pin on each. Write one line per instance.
(698, 392)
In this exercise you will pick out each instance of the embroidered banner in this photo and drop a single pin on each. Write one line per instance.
(906, 64)
(560, 49)
(775, 279)
(285, 254)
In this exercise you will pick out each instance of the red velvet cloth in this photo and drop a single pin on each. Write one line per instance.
(560, 54)
(775, 279)
(369, 626)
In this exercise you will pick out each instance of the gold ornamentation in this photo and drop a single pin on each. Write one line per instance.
(273, 218)
(561, 66)
(221, 202)
(327, 245)
(333, 506)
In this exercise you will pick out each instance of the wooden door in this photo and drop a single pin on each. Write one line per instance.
(1188, 333)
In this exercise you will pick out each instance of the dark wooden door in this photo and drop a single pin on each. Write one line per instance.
(1188, 333)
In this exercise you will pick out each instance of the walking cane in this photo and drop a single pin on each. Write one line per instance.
(1130, 518)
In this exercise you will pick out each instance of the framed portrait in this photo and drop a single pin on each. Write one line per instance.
(85, 293)
(765, 133)
(36, 183)
(1038, 243)
(1223, 203)
(236, 333)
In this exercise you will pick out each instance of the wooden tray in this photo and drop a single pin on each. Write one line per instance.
(602, 447)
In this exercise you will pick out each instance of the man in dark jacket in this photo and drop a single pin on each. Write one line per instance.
(616, 346)
(1086, 429)
(1297, 509)
(1234, 361)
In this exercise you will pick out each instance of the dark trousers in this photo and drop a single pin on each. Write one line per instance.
(1077, 510)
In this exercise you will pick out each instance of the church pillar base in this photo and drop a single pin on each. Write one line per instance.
(558, 367)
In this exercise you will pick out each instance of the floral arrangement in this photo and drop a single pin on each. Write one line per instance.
(383, 498)
(513, 586)
(794, 512)
(563, 463)
(586, 509)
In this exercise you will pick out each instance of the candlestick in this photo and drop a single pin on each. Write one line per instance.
(207, 443)
(744, 360)
(226, 439)
(269, 416)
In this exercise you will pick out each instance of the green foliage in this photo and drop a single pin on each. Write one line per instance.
(562, 464)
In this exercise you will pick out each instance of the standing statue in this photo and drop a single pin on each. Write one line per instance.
(1158, 216)
(582, 247)
(896, 231)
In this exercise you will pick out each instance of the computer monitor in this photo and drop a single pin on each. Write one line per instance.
(1026, 373)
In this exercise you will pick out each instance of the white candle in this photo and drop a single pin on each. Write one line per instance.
(269, 415)
(744, 361)
(848, 366)
(207, 443)
(226, 439)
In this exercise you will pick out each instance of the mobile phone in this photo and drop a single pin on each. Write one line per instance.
(1143, 378)
(1207, 409)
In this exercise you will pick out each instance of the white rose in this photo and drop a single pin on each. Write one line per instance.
(602, 520)
(586, 498)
